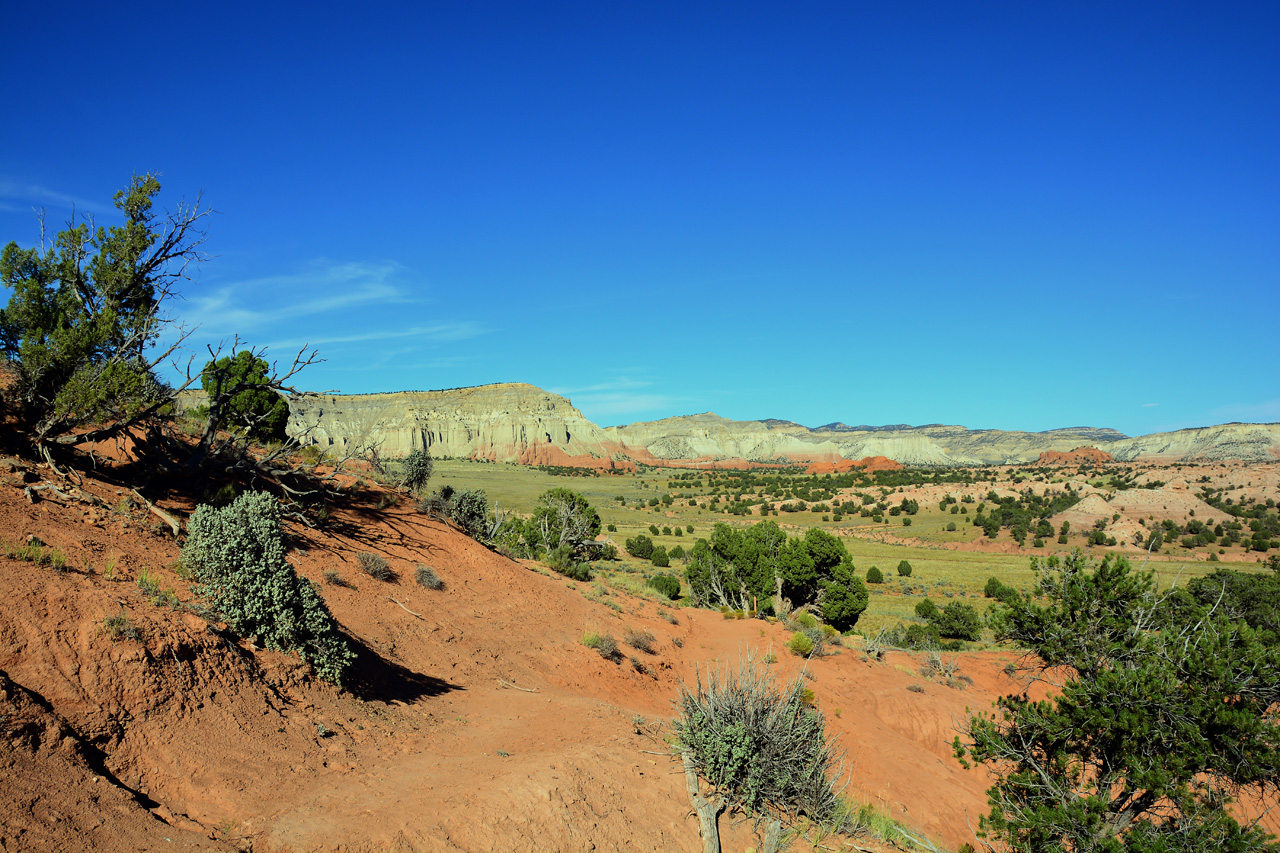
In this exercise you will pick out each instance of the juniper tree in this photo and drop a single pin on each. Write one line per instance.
(1162, 710)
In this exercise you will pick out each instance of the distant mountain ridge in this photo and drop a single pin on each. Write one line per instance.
(516, 422)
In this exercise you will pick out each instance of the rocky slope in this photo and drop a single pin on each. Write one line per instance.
(514, 422)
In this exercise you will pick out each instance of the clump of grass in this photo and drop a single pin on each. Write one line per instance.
(119, 627)
(35, 551)
(427, 577)
(915, 688)
(149, 584)
(152, 590)
(605, 644)
(669, 616)
(678, 642)
(332, 578)
(375, 566)
(642, 641)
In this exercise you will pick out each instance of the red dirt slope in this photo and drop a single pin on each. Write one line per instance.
(869, 463)
(477, 719)
(1073, 457)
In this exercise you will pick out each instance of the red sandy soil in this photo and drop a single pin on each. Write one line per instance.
(1073, 457)
(477, 719)
(842, 466)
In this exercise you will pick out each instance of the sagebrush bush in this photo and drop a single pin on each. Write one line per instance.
(375, 566)
(237, 553)
(761, 746)
(640, 640)
(427, 577)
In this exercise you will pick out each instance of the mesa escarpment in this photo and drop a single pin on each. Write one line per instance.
(507, 422)
(517, 422)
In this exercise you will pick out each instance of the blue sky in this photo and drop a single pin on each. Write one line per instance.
(1002, 215)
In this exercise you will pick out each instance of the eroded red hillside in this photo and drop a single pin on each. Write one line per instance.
(477, 719)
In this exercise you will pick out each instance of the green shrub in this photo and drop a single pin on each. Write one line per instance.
(904, 569)
(927, 610)
(238, 556)
(958, 621)
(760, 746)
(805, 619)
(416, 469)
(641, 546)
(564, 561)
(667, 585)
(470, 511)
(874, 575)
(801, 644)
(659, 557)
(375, 566)
(427, 577)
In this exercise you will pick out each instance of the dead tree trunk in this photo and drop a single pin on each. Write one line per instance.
(707, 811)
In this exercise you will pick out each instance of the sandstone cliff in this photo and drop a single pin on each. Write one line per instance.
(1246, 442)
(514, 422)
(509, 422)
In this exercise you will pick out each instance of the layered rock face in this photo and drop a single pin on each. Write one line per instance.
(514, 422)
(1246, 442)
(509, 422)
(710, 436)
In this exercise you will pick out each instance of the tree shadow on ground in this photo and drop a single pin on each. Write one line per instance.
(374, 678)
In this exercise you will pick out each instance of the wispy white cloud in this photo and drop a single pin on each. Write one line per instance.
(443, 332)
(18, 197)
(319, 289)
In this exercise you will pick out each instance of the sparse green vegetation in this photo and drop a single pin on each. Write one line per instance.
(605, 644)
(119, 627)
